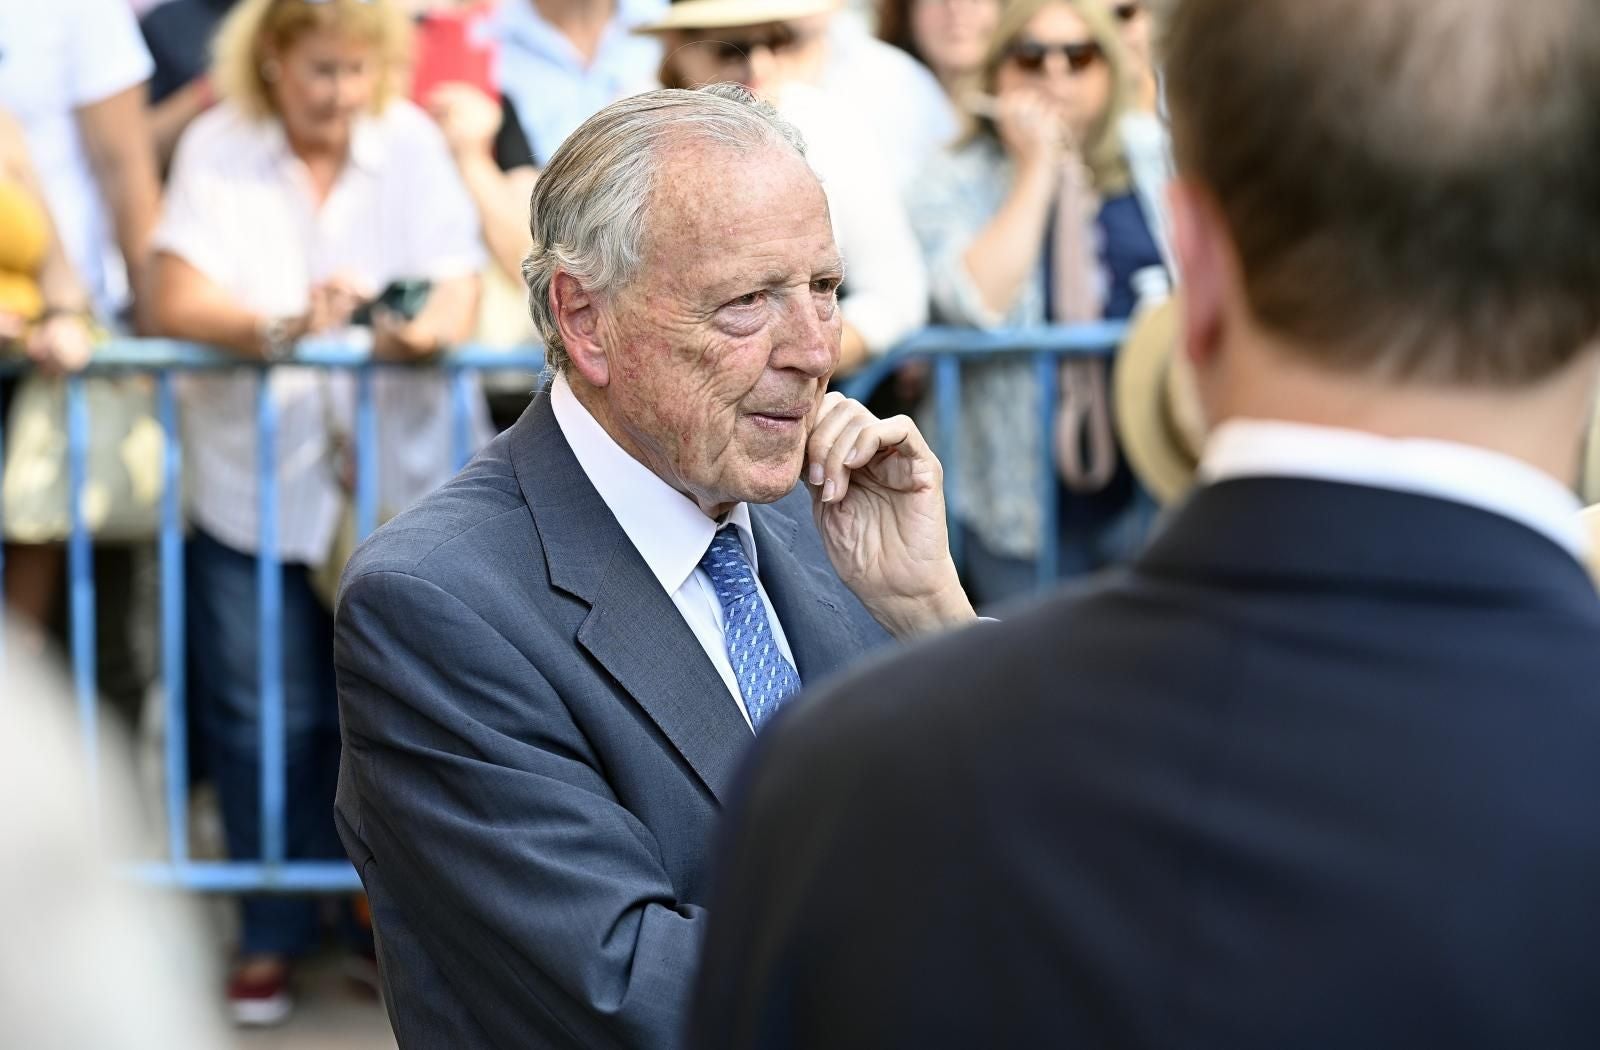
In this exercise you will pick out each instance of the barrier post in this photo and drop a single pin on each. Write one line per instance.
(80, 571)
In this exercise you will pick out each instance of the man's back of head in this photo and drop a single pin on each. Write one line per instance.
(1408, 187)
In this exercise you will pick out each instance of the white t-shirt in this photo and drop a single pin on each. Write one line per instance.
(240, 209)
(900, 101)
(55, 58)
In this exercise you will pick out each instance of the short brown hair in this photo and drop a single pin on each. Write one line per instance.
(254, 27)
(1413, 186)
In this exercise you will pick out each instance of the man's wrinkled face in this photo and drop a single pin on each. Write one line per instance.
(720, 349)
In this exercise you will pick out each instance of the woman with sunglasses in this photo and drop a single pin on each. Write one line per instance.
(1031, 220)
(309, 189)
(777, 49)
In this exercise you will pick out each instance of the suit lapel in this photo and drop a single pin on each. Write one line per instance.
(633, 629)
(808, 600)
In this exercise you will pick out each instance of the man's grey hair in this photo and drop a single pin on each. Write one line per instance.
(589, 208)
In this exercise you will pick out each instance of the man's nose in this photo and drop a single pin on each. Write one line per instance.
(805, 341)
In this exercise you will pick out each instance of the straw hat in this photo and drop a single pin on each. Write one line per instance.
(1159, 419)
(1591, 521)
(726, 14)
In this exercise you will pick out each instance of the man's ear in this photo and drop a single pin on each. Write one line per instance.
(1208, 272)
(577, 314)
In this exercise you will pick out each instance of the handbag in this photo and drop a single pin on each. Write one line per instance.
(122, 487)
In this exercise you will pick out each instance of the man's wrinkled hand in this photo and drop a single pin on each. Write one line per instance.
(878, 495)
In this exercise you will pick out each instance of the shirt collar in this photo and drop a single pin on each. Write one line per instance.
(1446, 470)
(669, 529)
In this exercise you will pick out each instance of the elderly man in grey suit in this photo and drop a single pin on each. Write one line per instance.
(550, 668)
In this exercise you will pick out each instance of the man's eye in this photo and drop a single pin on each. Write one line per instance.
(826, 286)
(751, 299)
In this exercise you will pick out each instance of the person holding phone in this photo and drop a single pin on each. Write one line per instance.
(307, 191)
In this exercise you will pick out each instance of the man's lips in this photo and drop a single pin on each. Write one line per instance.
(780, 418)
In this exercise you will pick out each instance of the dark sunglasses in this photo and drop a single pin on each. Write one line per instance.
(779, 39)
(1127, 12)
(1030, 55)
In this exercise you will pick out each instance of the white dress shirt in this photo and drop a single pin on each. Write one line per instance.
(1443, 470)
(240, 209)
(669, 530)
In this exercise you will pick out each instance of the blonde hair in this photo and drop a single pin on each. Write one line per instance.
(254, 29)
(1102, 149)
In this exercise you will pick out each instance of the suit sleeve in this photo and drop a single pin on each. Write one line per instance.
(514, 864)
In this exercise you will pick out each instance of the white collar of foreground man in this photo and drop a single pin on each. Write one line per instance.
(1446, 470)
(669, 530)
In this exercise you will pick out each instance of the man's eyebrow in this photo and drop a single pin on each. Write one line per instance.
(834, 267)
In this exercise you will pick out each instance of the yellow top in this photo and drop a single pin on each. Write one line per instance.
(24, 239)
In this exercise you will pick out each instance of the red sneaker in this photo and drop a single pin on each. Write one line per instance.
(258, 992)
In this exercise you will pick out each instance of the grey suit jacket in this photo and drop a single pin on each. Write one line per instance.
(536, 751)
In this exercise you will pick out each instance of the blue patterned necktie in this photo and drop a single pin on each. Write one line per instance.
(765, 677)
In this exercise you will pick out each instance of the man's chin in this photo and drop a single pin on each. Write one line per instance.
(771, 486)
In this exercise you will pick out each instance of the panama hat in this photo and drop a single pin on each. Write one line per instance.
(1159, 419)
(1591, 524)
(726, 14)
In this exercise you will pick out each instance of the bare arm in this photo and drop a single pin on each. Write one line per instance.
(170, 116)
(470, 121)
(502, 201)
(1003, 257)
(186, 304)
(116, 134)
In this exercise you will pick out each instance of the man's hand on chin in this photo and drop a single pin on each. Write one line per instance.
(878, 494)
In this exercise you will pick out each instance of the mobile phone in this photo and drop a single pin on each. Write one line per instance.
(453, 46)
(404, 297)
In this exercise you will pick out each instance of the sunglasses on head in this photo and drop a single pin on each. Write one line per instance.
(1030, 55)
(1127, 11)
(778, 40)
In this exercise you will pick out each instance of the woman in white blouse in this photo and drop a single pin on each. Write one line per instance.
(307, 191)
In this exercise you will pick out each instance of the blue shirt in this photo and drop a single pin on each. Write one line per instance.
(548, 81)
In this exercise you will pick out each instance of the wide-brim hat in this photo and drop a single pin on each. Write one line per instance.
(1159, 419)
(728, 14)
(1591, 523)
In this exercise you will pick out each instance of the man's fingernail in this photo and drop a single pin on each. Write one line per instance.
(827, 491)
(816, 473)
(854, 458)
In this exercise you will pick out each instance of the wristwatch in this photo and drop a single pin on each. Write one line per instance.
(278, 336)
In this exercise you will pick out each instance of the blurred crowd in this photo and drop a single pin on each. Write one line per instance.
(250, 174)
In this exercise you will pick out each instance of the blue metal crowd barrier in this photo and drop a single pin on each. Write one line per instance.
(947, 349)
(164, 359)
